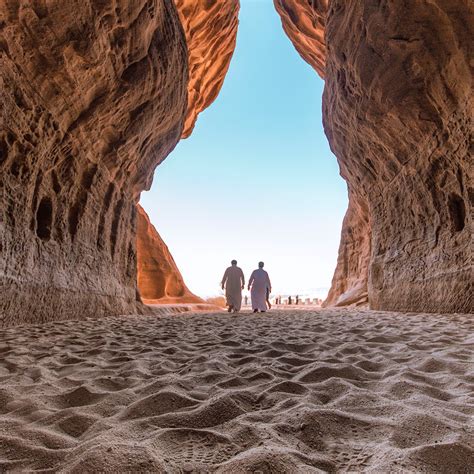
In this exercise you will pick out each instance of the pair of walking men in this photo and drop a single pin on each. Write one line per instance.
(259, 286)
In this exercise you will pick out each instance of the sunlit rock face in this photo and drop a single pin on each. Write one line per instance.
(159, 279)
(92, 98)
(210, 27)
(397, 107)
(304, 22)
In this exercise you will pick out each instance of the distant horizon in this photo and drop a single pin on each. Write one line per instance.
(256, 179)
(320, 293)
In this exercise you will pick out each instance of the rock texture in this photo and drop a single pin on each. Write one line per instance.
(349, 284)
(159, 278)
(305, 22)
(92, 98)
(397, 113)
(210, 27)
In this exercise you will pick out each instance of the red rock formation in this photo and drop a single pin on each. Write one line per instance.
(92, 98)
(158, 276)
(211, 29)
(304, 22)
(397, 113)
(349, 284)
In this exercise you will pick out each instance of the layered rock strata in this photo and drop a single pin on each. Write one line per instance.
(397, 113)
(159, 279)
(92, 98)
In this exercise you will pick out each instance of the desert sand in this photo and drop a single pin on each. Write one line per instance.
(286, 391)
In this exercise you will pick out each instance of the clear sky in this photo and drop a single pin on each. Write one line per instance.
(256, 180)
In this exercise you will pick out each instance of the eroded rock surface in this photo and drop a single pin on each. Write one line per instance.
(211, 29)
(158, 276)
(305, 22)
(92, 98)
(349, 284)
(397, 113)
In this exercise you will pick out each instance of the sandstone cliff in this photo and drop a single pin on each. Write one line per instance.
(158, 276)
(92, 98)
(397, 113)
(349, 284)
(305, 22)
(210, 29)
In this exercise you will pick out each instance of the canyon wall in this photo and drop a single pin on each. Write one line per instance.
(397, 111)
(349, 283)
(92, 98)
(158, 275)
(210, 29)
(305, 23)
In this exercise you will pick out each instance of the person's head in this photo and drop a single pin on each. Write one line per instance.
(260, 264)
(234, 262)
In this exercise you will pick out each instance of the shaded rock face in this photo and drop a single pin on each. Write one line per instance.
(397, 109)
(210, 27)
(158, 276)
(92, 98)
(349, 284)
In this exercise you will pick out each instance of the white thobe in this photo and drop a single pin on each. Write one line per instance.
(233, 280)
(260, 282)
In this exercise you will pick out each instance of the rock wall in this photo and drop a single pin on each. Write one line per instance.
(305, 22)
(349, 284)
(92, 98)
(158, 276)
(397, 111)
(211, 30)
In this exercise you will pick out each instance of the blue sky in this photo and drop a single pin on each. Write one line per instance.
(256, 180)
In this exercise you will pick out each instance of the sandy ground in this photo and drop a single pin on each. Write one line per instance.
(281, 392)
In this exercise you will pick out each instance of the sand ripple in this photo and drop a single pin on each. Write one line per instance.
(334, 390)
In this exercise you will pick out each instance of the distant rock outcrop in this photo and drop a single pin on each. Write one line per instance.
(158, 276)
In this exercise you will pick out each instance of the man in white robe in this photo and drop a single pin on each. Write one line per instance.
(234, 282)
(259, 285)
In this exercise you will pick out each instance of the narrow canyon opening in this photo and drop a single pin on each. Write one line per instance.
(256, 179)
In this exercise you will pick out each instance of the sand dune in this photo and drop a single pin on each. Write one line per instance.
(330, 390)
